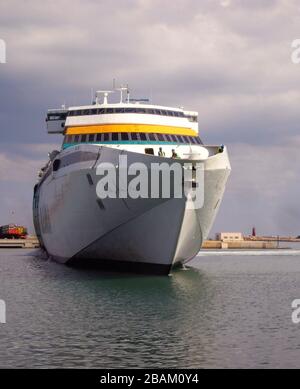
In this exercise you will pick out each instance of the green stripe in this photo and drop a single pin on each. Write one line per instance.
(66, 145)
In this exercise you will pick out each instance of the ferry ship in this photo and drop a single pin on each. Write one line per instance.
(150, 235)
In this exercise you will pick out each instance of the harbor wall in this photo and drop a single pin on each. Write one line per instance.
(243, 244)
(28, 243)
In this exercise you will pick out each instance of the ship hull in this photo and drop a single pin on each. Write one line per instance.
(136, 235)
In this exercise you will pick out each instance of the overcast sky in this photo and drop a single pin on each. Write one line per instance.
(228, 59)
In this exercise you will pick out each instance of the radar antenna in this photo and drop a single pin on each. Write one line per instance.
(105, 94)
(121, 90)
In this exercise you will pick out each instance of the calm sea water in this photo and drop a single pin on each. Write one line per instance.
(226, 311)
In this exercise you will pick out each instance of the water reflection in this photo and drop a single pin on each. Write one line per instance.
(216, 314)
(107, 320)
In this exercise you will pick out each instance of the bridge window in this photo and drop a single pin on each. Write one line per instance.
(151, 137)
(91, 138)
(115, 136)
(102, 111)
(124, 136)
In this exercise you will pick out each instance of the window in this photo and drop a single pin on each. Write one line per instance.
(119, 110)
(152, 137)
(131, 110)
(134, 136)
(115, 136)
(106, 137)
(83, 138)
(91, 138)
(124, 136)
(180, 139)
(168, 138)
(76, 140)
(157, 112)
(198, 140)
(193, 139)
(160, 137)
(175, 139)
(143, 136)
(110, 110)
(98, 137)
(149, 151)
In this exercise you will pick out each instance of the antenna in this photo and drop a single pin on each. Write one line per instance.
(105, 94)
(121, 90)
(92, 95)
(128, 94)
(139, 100)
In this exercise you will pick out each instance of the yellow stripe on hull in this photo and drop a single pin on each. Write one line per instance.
(96, 129)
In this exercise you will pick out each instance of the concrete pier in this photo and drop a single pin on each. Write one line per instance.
(240, 245)
(29, 243)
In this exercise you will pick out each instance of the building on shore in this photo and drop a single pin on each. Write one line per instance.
(230, 236)
(236, 240)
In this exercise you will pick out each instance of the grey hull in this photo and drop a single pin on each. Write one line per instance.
(149, 235)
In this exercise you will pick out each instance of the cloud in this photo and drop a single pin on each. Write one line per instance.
(263, 190)
(229, 60)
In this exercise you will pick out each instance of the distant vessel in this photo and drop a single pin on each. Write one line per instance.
(150, 235)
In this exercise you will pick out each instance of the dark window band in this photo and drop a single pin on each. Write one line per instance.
(148, 111)
(132, 137)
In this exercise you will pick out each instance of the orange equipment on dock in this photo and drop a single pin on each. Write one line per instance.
(12, 231)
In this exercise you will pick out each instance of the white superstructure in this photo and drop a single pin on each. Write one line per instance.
(151, 234)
